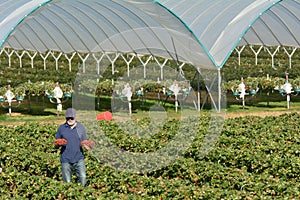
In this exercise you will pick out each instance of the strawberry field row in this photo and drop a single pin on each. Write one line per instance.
(256, 158)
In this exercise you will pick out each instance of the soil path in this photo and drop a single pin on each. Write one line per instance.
(259, 114)
(227, 116)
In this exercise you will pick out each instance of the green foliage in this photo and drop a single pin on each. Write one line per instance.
(104, 87)
(3, 90)
(247, 68)
(264, 83)
(296, 82)
(255, 158)
(231, 71)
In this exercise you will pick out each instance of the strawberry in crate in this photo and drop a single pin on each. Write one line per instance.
(87, 144)
(60, 142)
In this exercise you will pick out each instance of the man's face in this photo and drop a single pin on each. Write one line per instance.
(70, 120)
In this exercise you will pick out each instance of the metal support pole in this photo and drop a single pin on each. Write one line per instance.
(176, 103)
(98, 101)
(288, 100)
(219, 90)
(243, 101)
(129, 107)
(9, 108)
(198, 90)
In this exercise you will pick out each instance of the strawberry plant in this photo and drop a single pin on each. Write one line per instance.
(254, 158)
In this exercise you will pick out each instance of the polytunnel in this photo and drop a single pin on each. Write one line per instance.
(203, 33)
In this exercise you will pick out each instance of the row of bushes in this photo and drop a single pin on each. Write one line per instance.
(107, 87)
(15, 75)
(263, 83)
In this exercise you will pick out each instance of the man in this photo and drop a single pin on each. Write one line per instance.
(71, 137)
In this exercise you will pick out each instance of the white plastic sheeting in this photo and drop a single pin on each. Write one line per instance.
(141, 27)
(221, 25)
(168, 28)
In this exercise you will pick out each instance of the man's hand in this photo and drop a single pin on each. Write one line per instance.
(87, 144)
(60, 142)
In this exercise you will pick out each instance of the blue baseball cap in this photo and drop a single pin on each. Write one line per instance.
(71, 112)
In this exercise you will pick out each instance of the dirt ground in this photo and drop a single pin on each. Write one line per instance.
(260, 114)
(227, 116)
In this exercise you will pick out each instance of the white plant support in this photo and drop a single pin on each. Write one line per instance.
(56, 59)
(10, 99)
(161, 65)
(242, 90)
(70, 60)
(256, 52)
(239, 53)
(144, 63)
(242, 93)
(180, 69)
(287, 87)
(128, 94)
(112, 61)
(175, 89)
(31, 57)
(20, 57)
(272, 54)
(98, 60)
(290, 55)
(45, 58)
(9, 54)
(131, 57)
(83, 59)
